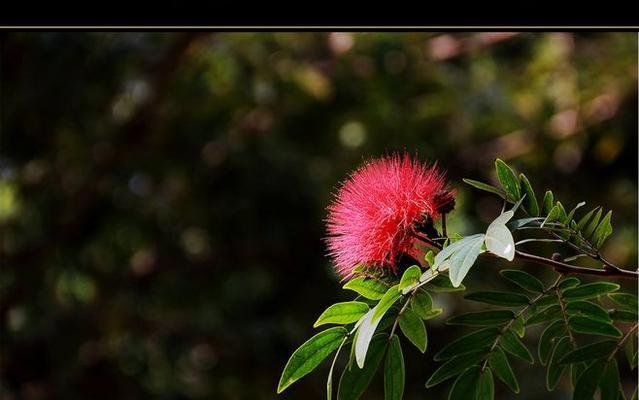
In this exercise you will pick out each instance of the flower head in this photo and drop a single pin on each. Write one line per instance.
(374, 214)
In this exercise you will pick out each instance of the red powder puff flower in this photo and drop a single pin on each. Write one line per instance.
(375, 212)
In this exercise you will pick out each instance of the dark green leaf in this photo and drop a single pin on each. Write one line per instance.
(547, 203)
(576, 370)
(589, 352)
(394, 371)
(310, 354)
(482, 318)
(589, 291)
(586, 325)
(468, 343)
(499, 364)
(568, 283)
(466, 384)
(523, 280)
(499, 298)
(588, 381)
(413, 328)
(555, 370)
(508, 180)
(547, 339)
(590, 228)
(545, 301)
(511, 343)
(455, 366)
(609, 382)
(410, 278)
(626, 300)
(486, 389)
(442, 284)
(531, 201)
(342, 313)
(588, 309)
(354, 381)
(547, 314)
(519, 326)
(623, 316)
(367, 287)
(422, 303)
(486, 187)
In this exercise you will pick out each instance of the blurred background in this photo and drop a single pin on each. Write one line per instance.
(162, 195)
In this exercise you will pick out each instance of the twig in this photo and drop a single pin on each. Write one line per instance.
(610, 270)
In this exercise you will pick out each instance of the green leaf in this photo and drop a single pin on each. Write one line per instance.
(590, 326)
(590, 290)
(547, 314)
(584, 220)
(429, 257)
(603, 230)
(623, 316)
(468, 343)
(394, 371)
(463, 260)
(553, 215)
(531, 201)
(413, 328)
(609, 382)
(548, 202)
(569, 282)
(547, 340)
(422, 303)
(342, 313)
(310, 354)
(499, 240)
(592, 225)
(482, 318)
(625, 300)
(512, 344)
(555, 370)
(508, 180)
(432, 314)
(588, 381)
(485, 187)
(354, 381)
(523, 280)
(499, 364)
(370, 321)
(486, 389)
(588, 309)
(370, 288)
(562, 217)
(466, 384)
(589, 352)
(441, 284)
(410, 278)
(455, 366)
(499, 298)
(329, 379)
